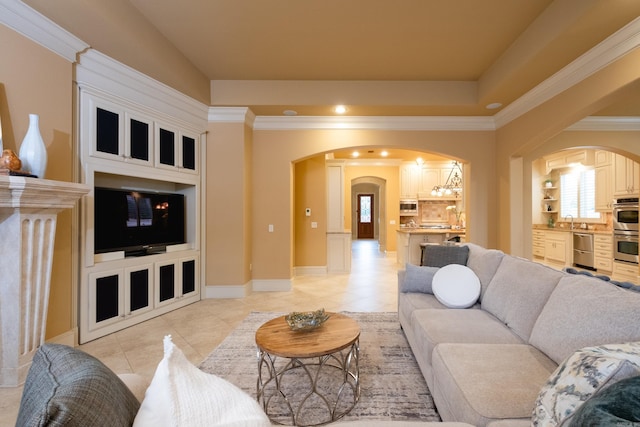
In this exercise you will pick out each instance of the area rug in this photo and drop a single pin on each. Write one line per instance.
(391, 384)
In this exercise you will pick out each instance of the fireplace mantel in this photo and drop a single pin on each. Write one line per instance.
(28, 214)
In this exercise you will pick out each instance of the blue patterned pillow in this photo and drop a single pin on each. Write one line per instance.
(579, 377)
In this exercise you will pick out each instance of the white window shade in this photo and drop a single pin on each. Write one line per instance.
(578, 195)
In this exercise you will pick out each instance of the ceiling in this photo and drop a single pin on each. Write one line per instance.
(378, 57)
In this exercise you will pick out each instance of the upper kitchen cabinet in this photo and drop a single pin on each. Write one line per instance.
(626, 177)
(604, 180)
(565, 159)
(417, 181)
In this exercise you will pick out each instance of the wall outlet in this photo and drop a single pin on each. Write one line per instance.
(392, 222)
(314, 225)
(270, 228)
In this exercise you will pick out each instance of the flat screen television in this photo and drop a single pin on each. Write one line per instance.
(137, 222)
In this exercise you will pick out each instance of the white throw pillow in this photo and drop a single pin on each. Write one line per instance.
(579, 377)
(456, 286)
(181, 395)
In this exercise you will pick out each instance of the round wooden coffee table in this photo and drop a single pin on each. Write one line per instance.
(308, 378)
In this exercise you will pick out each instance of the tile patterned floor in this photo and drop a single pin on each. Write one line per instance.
(198, 328)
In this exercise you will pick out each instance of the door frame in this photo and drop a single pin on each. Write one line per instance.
(381, 193)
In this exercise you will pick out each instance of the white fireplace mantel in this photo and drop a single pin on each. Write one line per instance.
(28, 212)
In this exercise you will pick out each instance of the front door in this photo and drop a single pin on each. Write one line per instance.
(365, 216)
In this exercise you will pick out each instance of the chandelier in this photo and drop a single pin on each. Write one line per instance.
(453, 185)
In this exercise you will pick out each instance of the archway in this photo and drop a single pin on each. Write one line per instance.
(367, 184)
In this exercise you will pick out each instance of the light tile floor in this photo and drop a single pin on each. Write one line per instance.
(198, 328)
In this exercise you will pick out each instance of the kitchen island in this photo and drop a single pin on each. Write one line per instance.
(410, 238)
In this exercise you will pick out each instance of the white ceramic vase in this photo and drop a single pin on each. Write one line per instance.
(33, 152)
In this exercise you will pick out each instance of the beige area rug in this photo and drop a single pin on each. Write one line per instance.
(392, 386)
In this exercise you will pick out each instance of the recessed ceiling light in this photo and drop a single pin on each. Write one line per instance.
(355, 154)
(340, 109)
(493, 105)
(384, 153)
(290, 113)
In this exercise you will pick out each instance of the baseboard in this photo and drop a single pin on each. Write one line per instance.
(310, 271)
(282, 285)
(227, 291)
(69, 338)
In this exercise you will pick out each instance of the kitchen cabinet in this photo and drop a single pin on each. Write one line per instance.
(552, 248)
(604, 188)
(409, 241)
(566, 159)
(603, 252)
(626, 177)
(409, 180)
(538, 244)
(625, 272)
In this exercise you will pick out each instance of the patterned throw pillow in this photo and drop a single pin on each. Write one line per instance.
(580, 376)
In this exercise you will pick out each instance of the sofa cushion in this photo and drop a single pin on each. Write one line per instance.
(418, 279)
(583, 312)
(477, 383)
(433, 327)
(616, 405)
(456, 286)
(484, 262)
(65, 386)
(518, 292)
(441, 255)
(579, 377)
(182, 395)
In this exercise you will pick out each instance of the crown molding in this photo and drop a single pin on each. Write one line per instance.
(35, 26)
(612, 48)
(375, 123)
(602, 123)
(231, 115)
(98, 71)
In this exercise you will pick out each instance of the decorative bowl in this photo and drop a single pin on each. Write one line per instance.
(306, 321)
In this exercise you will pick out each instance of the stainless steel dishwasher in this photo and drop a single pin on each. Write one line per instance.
(583, 250)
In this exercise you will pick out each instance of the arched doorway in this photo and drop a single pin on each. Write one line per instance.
(376, 187)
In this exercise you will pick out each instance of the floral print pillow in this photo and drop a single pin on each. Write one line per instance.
(579, 377)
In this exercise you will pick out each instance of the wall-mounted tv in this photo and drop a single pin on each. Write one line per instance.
(137, 222)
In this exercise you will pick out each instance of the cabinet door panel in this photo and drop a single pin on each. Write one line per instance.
(139, 140)
(188, 152)
(139, 297)
(167, 145)
(107, 131)
(107, 298)
(167, 288)
(188, 276)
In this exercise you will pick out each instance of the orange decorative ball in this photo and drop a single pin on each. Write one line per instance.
(10, 160)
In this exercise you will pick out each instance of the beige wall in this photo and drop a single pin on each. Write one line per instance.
(310, 183)
(228, 204)
(274, 153)
(35, 80)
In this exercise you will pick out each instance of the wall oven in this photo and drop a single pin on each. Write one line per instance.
(625, 246)
(408, 207)
(625, 214)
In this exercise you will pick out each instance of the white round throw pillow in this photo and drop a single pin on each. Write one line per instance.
(456, 286)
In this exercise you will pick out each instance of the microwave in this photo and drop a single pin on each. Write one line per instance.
(409, 207)
(625, 214)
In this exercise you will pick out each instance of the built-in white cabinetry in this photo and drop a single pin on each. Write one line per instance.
(409, 180)
(603, 252)
(136, 134)
(625, 272)
(417, 181)
(566, 159)
(553, 248)
(626, 176)
(604, 180)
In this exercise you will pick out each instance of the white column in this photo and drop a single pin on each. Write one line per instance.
(28, 212)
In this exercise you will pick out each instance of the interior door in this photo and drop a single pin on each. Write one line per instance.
(365, 216)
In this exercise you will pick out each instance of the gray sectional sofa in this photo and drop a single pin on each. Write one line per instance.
(486, 365)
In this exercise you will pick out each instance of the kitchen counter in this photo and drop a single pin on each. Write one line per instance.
(410, 238)
(568, 230)
(417, 230)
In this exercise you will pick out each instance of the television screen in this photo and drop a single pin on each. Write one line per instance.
(137, 222)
